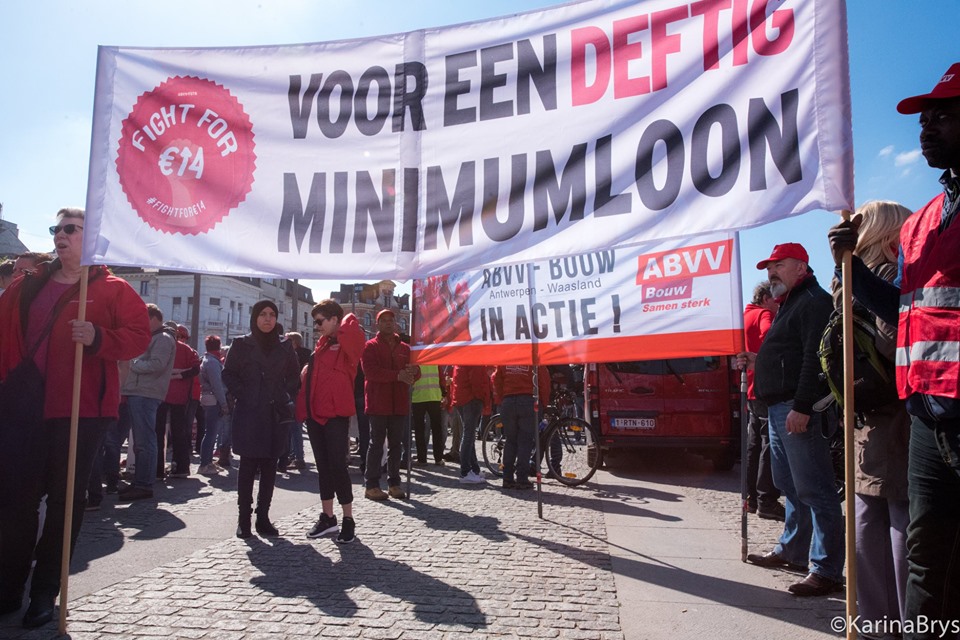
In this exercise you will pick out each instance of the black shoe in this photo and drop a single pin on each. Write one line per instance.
(749, 506)
(773, 560)
(815, 585)
(265, 528)
(243, 528)
(135, 493)
(774, 512)
(509, 484)
(39, 613)
(111, 488)
(325, 524)
(524, 485)
(347, 532)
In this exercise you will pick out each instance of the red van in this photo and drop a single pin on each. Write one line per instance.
(688, 403)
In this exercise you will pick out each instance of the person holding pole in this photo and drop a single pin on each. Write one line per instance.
(881, 441)
(39, 315)
(923, 302)
(787, 378)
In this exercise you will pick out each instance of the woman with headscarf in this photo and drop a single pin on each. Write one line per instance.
(262, 373)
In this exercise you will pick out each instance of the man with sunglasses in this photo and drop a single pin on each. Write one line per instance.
(39, 322)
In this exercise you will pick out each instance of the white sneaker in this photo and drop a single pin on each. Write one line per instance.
(472, 478)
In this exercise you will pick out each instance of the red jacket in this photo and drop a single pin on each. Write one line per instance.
(329, 378)
(383, 394)
(122, 332)
(517, 380)
(471, 383)
(756, 323)
(181, 388)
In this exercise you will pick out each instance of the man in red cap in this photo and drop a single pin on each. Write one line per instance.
(787, 379)
(388, 375)
(924, 302)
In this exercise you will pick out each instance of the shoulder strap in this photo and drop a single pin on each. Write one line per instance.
(57, 309)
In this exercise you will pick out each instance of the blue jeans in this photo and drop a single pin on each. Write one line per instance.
(296, 440)
(802, 470)
(211, 428)
(470, 415)
(143, 415)
(933, 535)
(519, 431)
(116, 435)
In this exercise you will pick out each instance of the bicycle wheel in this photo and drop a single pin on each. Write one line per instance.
(492, 444)
(572, 451)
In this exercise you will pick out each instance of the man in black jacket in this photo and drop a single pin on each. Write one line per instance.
(787, 378)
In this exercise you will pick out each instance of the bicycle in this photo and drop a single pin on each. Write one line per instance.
(569, 445)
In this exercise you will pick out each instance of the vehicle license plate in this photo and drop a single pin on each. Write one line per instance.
(635, 423)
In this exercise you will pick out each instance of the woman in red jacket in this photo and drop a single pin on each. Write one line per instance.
(326, 403)
(38, 321)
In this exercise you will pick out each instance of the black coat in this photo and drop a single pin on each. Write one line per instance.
(788, 367)
(264, 383)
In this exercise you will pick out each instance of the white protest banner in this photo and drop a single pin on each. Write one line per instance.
(549, 133)
(669, 299)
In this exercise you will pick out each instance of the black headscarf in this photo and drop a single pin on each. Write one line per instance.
(265, 340)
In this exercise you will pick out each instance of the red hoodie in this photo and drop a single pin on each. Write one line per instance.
(471, 383)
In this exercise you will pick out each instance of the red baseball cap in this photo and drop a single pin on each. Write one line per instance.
(786, 250)
(385, 312)
(947, 87)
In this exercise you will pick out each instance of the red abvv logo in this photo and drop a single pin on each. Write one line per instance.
(186, 156)
(685, 262)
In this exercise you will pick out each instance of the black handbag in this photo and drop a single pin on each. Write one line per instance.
(22, 391)
(21, 395)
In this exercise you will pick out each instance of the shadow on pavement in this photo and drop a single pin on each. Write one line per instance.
(328, 584)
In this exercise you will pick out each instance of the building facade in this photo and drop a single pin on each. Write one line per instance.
(225, 301)
(367, 300)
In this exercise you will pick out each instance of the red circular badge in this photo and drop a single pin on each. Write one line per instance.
(186, 155)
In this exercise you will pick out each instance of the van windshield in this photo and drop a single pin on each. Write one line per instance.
(673, 366)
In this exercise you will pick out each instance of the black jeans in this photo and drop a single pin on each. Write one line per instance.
(391, 429)
(933, 536)
(760, 488)
(330, 443)
(245, 476)
(423, 410)
(33, 463)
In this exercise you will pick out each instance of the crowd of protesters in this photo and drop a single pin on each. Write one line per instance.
(255, 398)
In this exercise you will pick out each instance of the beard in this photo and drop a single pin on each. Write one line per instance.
(777, 289)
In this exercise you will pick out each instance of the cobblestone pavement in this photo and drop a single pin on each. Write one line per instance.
(454, 561)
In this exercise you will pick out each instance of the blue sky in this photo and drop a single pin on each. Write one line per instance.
(48, 58)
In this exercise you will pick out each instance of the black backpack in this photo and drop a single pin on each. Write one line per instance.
(873, 375)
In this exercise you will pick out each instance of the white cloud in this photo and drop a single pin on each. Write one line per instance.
(886, 151)
(907, 157)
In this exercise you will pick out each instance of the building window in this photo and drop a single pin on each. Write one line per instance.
(144, 287)
(214, 302)
(176, 300)
(403, 325)
(367, 318)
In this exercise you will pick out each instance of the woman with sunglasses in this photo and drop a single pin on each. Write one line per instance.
(326, 403)
(262, 373)
(38, 323)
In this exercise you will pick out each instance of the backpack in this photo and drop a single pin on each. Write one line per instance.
(873, 375)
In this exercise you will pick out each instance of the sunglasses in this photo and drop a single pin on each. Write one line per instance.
(69, 229)
(319, 321)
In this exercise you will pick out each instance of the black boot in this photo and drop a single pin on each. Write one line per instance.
(263, 525)
(243, 522)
